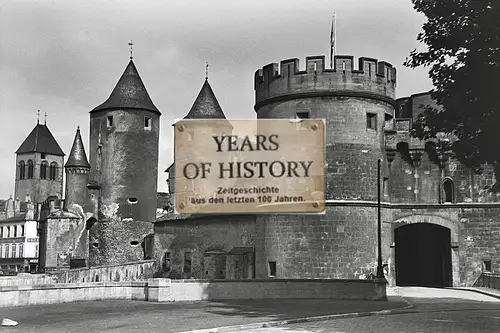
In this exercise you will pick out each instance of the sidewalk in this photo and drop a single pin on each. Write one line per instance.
(133, 316)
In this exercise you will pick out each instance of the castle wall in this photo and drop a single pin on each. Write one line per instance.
(209, 239)
(39, 189)
(66, 238)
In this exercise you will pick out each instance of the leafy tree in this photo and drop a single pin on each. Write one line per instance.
(463, 53)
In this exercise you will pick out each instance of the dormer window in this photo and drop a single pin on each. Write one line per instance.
(147, 123)
(110, 121)
(303, 115)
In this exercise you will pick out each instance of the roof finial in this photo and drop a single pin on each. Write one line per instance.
(45, 118)
(131, 44)
(206, 71)
(38, 117)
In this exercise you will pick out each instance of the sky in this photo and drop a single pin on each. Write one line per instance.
(65, 57)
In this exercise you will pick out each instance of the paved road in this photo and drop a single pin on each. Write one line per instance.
(435, 310)
(139, 316)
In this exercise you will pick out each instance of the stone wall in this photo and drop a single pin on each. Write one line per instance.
(209, 240)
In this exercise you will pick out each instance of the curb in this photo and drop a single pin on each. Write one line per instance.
(479, 291)
(300, 320)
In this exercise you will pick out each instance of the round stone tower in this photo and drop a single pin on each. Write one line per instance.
(124, 141)
(356, 103)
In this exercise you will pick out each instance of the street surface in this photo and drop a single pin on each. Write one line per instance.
(435, 310)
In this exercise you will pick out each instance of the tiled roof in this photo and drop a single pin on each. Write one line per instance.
(77, 156)
(206, 105)
(129, 93)
(40, 140)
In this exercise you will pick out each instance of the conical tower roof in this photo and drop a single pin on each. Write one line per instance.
(206, 105)
(40, 140)
(129, 93)
(77, 156)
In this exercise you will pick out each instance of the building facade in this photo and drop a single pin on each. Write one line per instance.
(19, 241)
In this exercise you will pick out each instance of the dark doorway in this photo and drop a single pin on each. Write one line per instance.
(423, 255)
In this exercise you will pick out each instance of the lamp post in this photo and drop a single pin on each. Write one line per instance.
(380, 267)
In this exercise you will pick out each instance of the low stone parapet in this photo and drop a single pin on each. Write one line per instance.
(23, 279)
(166, 290)
(71, 292)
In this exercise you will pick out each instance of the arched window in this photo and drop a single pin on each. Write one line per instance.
(22, 170)
(43, 170)
(30, 169)
(53, 171)
(448, 190)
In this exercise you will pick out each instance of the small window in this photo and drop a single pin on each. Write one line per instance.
(132, 201)
(53, 171)
(386, 186)
(303, 115)
(487, 265)
(110, 121)
(147, 123)
(30, 169)
(13, 251)
(272, 269)
(36, 251)
(448, 190)
(21, 251)
(43, 170)
(22, 231)
(371, 121)
(22, 170)
(187, 262)
(167, 261)
(43, 155)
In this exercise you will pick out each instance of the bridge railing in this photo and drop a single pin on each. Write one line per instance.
(488, 280)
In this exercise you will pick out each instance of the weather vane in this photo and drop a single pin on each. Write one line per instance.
(206, 72)
(38, 117)
(130, 44)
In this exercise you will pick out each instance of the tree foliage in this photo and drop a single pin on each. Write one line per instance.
(463, 54)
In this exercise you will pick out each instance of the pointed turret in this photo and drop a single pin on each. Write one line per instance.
(77, 156)
(77, 174)
(129, 93)
(206, 105)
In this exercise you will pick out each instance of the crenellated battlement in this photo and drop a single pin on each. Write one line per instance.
(371, 78)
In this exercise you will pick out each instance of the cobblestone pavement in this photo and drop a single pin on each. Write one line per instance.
(435, 310)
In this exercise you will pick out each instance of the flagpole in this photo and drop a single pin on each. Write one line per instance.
(333, 39)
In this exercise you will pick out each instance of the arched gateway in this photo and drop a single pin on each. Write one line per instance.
(423, 255)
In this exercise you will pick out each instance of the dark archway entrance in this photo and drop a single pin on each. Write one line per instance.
(423, 255)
